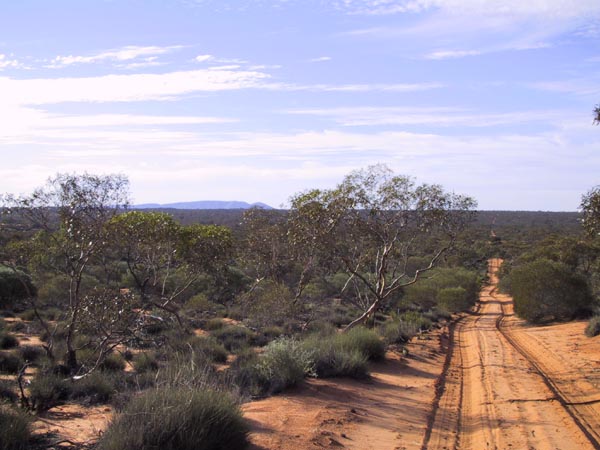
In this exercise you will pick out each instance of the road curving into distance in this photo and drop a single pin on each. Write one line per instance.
(504, 387)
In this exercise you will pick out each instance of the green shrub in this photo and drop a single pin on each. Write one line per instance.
(426, 293)
(545, 290)
(177, 419)
(331, 359)
(113, 362)
(214, 324)
(7, 391)
(98, 387)
(234, 337)
(398, 332)
(14, 286)
(145, 362)
(31, 353)
(28, 315)
(367, 342)
(284, 363)
(593, 327)
(48, 390)
(192, 373)
(17, 326)
(210, 348)
(453, 299)
(10, 363)
(15, 429)
(8, 341)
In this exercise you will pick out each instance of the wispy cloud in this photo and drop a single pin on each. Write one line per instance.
(459, 28)
(204, 58)
(452, 54)
(122, 54)
(125, 88)
(9, 63)
(436, 116)
(374, 87)
(320, 59)
(584, 87)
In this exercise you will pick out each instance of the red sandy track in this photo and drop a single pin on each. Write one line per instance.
(508, 385)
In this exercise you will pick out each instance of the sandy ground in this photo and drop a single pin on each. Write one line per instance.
(74, 423)
(496, 396)
(388, 412)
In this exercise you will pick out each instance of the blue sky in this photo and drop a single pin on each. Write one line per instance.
(256, 100)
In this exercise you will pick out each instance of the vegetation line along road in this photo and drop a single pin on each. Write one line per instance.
(579, 412)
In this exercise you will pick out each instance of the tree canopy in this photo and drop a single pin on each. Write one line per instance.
(372, 223)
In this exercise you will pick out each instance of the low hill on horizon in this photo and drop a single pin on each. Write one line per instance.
(204, 204)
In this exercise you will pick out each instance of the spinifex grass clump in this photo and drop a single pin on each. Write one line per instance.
(284, 363)
(593, 327)
(177, 419)
(345, 354)
(402, 328)
(8, 341)
(15, 430)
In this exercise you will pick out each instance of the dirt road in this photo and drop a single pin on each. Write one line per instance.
(506, 387)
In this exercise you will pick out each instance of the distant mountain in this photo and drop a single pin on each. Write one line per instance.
(204, 204)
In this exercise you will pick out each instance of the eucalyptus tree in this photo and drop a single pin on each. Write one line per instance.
(70, 213)
(164, 258)
(371, 224)
(590, 209)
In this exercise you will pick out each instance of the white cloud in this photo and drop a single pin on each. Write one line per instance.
(452, 54)
(122, 54)
(375, 87)
(458, 28)
(6, 62)
(562, 9)
(125, 88)
(435, 116)
(584, 87)
(320, 59)
(204, 58)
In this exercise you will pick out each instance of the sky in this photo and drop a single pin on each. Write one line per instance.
(256, 100)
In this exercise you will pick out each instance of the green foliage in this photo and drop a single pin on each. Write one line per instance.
(14, 286)
(177, 419)
(331, 360)
(31, 353)
(284, 363)
(207, 348)
(145, 362)
(345, 354)
(7, 391)
(545, 290)
(8, 341)
(10, 363)
(271, 303)
(463, 290)
(15, 429)
(402, 328)
(113, 362)
(590, 208)
(48, 390)
(453, 299)
(234, 337)
(98, 387)
(214, 324)
(593, 327)
(367, 342)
